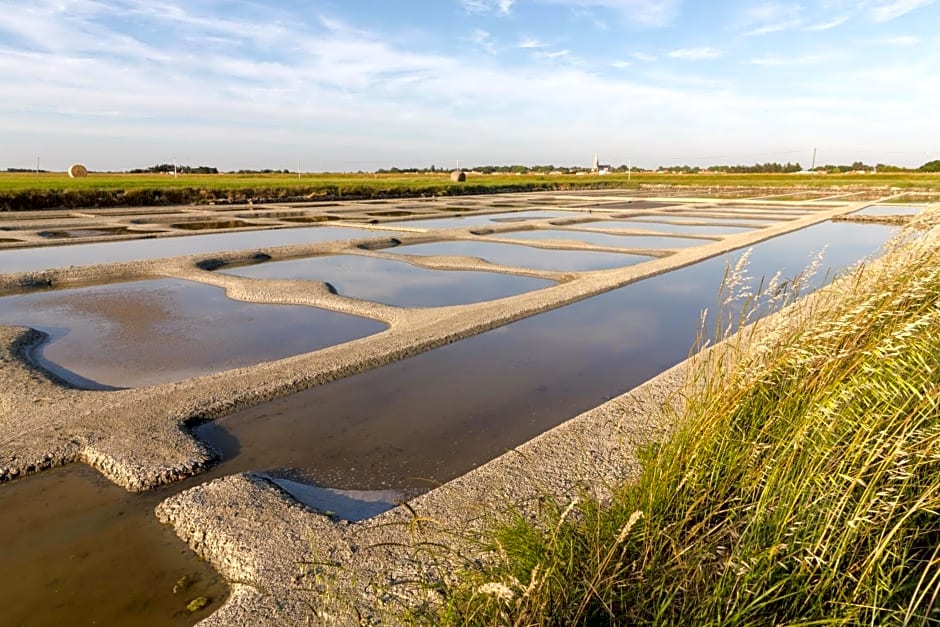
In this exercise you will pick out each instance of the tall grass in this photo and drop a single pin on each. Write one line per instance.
(800, 485)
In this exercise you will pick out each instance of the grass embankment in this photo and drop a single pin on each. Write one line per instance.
(26, 192)
(801, 484)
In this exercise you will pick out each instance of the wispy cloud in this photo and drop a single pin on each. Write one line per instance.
(834, 22)
(497, 7)
(293, 81)
(652, 13)
(531, 43)
(900, 40)
(771, 17)
(482, 40)
(777, 60)
(553, 54)
(892, 9)
(696, 54)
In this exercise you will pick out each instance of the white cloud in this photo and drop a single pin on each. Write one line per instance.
(531, 43)
(654, 13)
(777, 60)
(887, 11)
(901, 40)
(482, 39)
(771, 17)
(498, 7)
(125, 79)
(555, 54)
(696, 54)
(834, 22)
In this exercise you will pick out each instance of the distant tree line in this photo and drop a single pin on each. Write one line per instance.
(507, 169)
(265, 171)
(25, 170)
(167, 168)
(757, 168)
(788, 168)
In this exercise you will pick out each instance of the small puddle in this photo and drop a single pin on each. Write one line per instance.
(148, 332)
(27, 259)
(605, 239)
(526, 256)
(349, 505)
(310, 219)
(213, 224)
(95, 232)
(395, 283)
(664, 227)
(396, 214)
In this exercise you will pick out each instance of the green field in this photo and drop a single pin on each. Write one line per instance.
(27, 191)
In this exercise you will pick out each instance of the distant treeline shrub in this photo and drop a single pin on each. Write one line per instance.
(168, 168)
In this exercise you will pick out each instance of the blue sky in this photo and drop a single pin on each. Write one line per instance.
(364, 84)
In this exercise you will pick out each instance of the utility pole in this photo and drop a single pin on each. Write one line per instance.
(37, 166)
(629, 169)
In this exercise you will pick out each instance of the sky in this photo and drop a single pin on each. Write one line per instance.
(348, 85)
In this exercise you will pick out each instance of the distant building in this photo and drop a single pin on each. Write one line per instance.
(600, 168)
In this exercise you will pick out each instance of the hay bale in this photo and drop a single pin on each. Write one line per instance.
(78, 171)
(458, 176)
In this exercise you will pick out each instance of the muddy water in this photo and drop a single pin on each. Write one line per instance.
(605, 239)
(401, 428)
(525, 256)
(395, 282)
(96, 232)
(78, 550)
(26, 259)
(147, 332)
